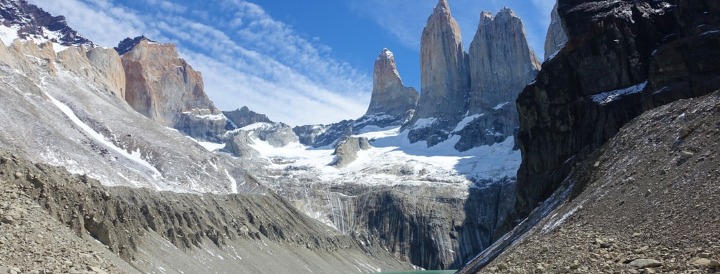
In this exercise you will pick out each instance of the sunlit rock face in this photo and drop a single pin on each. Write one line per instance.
(501, 62)
(389, 96)
(166, 89)
(445, 78)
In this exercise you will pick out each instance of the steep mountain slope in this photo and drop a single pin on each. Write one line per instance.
(621, 59)
(163, 231)
(54, 116)
(659, 176)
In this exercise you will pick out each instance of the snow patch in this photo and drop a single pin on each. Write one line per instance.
(256, 126)
(135, 156)
(424, 122)
(233, 183)
(610, 96)
(465, 121)
(501, 105)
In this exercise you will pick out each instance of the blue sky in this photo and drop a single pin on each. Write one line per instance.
(299, 62)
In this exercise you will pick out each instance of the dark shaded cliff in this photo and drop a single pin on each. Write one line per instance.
(622, 58)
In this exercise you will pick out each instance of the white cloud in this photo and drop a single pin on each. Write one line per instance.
(248, 59)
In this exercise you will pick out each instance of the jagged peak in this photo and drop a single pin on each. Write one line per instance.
(442, 7)
(504, 14)
(26, 21)
(386, 54)
(128, 44)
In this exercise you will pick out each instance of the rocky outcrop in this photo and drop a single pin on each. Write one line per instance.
(445, 78)
(165, 88)
(239, 145)
(346, 150)
(325, 135)
(556, 37)
(622, 58)
(389, 96)
(244, 117)
(501, 62)
(32, 23)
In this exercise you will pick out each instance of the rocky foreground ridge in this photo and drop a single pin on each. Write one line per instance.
(590, 159)
(658, 176)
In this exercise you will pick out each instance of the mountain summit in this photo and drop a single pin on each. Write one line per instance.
(470, 94)
(20, 19)
(389, 95)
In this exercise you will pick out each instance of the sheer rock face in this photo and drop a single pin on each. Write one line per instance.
(390, 97)
(102, 66)
(501, 62)
(621, 59)
(165, 88)
(556, 37)
(444, 77)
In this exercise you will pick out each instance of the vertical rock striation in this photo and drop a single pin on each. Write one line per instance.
(389, 96)
(501, 62)
(556, 37)
(470, 94)
(165, 88)
(444, 70)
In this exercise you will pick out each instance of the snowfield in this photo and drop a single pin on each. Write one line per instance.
(394, 160)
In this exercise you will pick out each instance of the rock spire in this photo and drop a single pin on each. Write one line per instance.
(501, 62)
(389, 95)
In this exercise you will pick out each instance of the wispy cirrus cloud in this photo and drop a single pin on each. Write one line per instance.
(246, 56)
(405, 19)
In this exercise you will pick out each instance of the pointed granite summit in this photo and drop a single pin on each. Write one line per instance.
(444, 67)
(389, 96)
(501, 62)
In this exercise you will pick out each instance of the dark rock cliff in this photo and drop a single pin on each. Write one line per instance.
(622, 58)
(33, 22)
